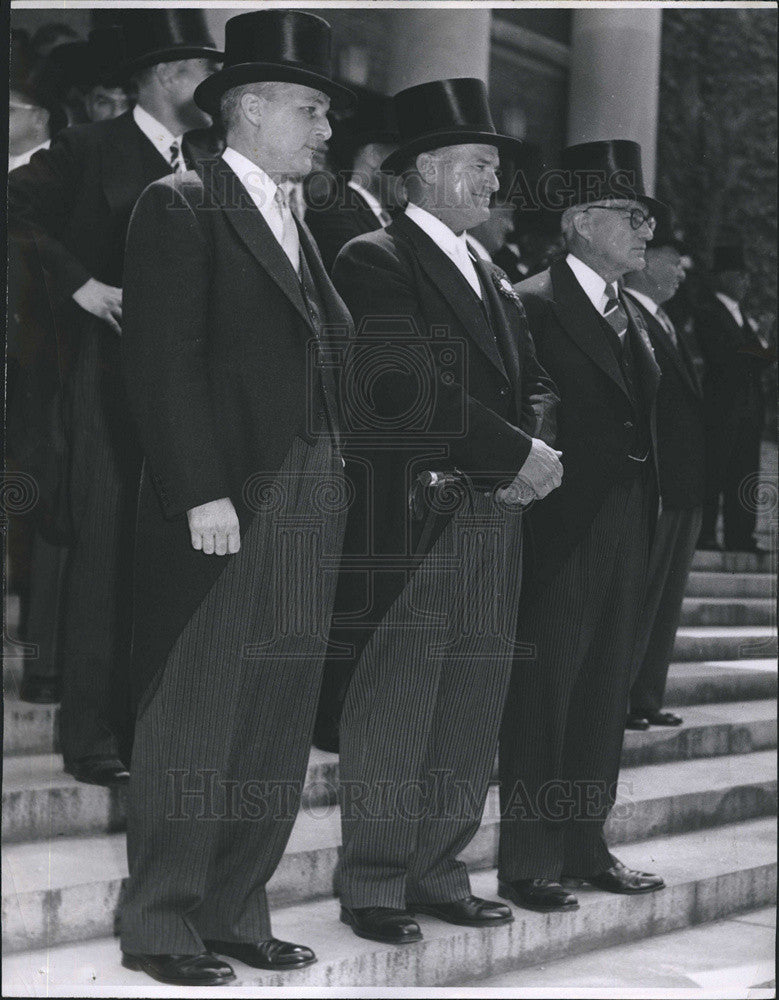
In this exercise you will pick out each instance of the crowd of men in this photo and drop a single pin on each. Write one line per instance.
(333, 443)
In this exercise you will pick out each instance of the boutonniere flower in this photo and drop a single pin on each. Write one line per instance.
(503, 285)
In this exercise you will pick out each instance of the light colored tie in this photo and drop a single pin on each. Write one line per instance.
(665, 322)
(290, 240)
(175, 158)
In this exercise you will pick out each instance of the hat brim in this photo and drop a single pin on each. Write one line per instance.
(654, 206)
(399, 158)
(173, 54)
(209, 92)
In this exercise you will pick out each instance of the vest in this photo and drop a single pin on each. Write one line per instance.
(325, 409)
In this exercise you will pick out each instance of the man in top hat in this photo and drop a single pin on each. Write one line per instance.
(360, 203)
(28, 109)
(564, 719)
(445, 403)
(241, 509)
(74, 201)
(681, 455)
(736, 357)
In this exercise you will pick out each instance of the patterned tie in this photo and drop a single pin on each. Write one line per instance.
(384, 218)
(290, 240)
(176, 162)
(615, 314)
(665, 322)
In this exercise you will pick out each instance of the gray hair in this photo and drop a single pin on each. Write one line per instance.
(230, 106)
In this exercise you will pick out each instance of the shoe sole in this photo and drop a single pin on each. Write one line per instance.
(377, 937)
(462, 923)
(266, 967)
(538, 907)
(136, 965)
(579, 882)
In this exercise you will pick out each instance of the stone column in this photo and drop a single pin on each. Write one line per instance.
(434, 44)
(614, 79)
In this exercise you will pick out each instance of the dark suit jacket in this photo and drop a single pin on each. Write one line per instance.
(222, 372)
(595, 416)
(681, 431)
(450, 387)
(345, 215)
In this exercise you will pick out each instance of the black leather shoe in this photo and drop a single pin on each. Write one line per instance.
(620, 878)
(99, 771)
(41, 690)
(468, 912)
(382, 923)
(663, 719)
(270, 954)
(181, 970)
(637, 720)
(540, 894)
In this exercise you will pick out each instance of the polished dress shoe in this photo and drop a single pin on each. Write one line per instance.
(663, 719)
(99, 771)
(468, 912)
(543, 895)
(382, 923)
(181, 970)
(637, 720)
(270, 954)
(41, 690)
(620, 878)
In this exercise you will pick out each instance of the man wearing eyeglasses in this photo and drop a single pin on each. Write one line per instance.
(564, 719)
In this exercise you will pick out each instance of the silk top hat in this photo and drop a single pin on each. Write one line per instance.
(372, 120)
(728, 257)
(595, 171)
(85, 64)
(666, 233)
(288, 46)
(445, 113)
(156, 36)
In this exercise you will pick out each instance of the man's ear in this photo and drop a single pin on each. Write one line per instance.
(427, 166)
(253, 107)
(165, 73)
(582, 224)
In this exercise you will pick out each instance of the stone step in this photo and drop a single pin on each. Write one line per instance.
(709, 875)
(67, 888)
(724, 642)
(710, 583)
(711, 681)
(728, 611)
(40, 801)
(735, 562)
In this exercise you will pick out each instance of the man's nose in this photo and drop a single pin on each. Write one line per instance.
(494, 183)
(323, 128)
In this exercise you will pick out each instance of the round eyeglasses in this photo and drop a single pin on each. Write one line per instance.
(638, 216)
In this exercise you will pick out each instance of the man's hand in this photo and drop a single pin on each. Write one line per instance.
(103, 301)
(214, 527)
(542, 470)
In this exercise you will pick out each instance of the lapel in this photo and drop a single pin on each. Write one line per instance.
(643, 353)
(579, 319)
(454, 288)
(505, 314)
(678, 357)
(336, 313)
(226, 191)
(367, 221)
(129, 162)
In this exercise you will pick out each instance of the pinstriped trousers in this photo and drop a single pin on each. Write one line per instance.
(221, 751)
(564, 719)
(421, 716)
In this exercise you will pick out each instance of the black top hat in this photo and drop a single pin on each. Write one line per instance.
(164, 35)
(666, 233)
(372, 120)
(84, 64)
(446, 113)
(728, 257)
(594, 171)
(289, 46)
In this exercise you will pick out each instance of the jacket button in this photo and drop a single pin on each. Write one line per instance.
(503, 390)
(628, 425)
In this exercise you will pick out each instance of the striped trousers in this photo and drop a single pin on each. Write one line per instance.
(221, 751)
(564, 720)
(420, 721)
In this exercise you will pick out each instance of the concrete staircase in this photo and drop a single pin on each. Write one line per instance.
(696, 803)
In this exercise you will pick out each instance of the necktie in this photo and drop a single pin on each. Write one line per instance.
(665, 321)
(176, 162)
(463, 261)
(289, 239)
(614, 313)
(384, 218)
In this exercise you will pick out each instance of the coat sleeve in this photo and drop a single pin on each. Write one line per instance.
(540, 398)
(165, 345)
(378, 287)
(41, 197)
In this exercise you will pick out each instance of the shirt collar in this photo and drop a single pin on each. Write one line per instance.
(260, 186)
(22, 159)
(158, 134)
(372, 201)
(478, 248)
(594, 286)
(438, 232)
(732, 306)
(649, 304)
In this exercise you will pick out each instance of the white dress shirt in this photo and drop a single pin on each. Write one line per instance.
(478, 249)
(260, 187)
(452, 245)
(732, 306)
(158, 134)
(594, 286)
(372, 202)
(653, 308)
(22, 159)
